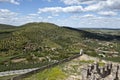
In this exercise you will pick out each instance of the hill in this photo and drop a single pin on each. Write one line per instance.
(4, 26)
(6, 30)
(110, 31)
(35, 43)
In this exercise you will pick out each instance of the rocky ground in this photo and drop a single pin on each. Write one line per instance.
(71, 70)
(74, 68)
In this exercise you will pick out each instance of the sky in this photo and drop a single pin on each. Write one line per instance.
(72, 13)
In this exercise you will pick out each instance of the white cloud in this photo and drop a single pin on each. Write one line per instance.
(7, 16)
(70, 9)
(88, 20)
(95, 5)
(92, 9)
(107, 13)
(70, 2)
(73, 2)
(93, 22)
(88, 16)
(113, 4)
(5, 13)
(104, 5)
(78, 17)
(33, 15)
(48, 0)
(49, 17)
(54, 14)
(13, 18)
(11, 1)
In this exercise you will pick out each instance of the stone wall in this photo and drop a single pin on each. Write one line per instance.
(20, 77)
(107, 72)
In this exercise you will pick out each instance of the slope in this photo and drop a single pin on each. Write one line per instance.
(35, 43)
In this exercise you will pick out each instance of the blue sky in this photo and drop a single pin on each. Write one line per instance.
(72, 13)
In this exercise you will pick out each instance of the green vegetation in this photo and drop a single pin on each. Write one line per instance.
(88, 61)
(101, 64)
(37, 42)
(46, 42)
(4, 27)
(115, 59)
(104, 31)
(49, 74)
(18, 66)
(7, 77)
(91, 62)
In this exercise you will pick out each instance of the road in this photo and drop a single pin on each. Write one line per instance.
(16, 72)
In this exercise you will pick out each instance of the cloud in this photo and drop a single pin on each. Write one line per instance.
(104, 5)
(11, 1)
(95, 5)
(93, 22)
(7, 16)
(49, 17)
(70, 9)
(76, 2)
(73, 2)
(10, 17)
(48, 0)
(70, 2)
(79, 20)
(78, 17)
(107, 13)
(5, 13)
(88, 16)
(95, 13)
(33, 15)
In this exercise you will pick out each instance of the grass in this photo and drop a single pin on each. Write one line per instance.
(7, 77)
(101, 64)
(91, 62)
(114, 59)
(49, 74)
(87, 61)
